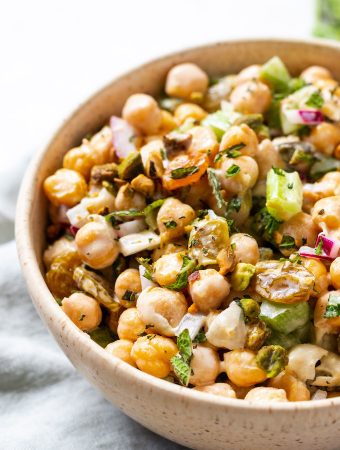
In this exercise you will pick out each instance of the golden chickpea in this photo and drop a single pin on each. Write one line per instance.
(241, 368)
(315, 73)
(169, 248)
(240, 134)
(130, 325)
(81, 159)
(203, 140)
(61, 247)
(186, 80)
(128, 282)
(65, 187)
(209, 290)
(122, 350)
(325, 137)
(334, 271)
(189, 110)
(332, 325)
(296, 390)
(102, 146)
(220, 389)
(246, 177)
(248, 74)
(267, 157)
(266, 394)
(251, 97)
(84, 311)
(128, 198)
(327, 186)
(143, 112)
(153, 353)
(319, 270)
(97, 243)
(167, 268)
(162, 309)
(169, 122)
(301, 227)
(245, 248)
(174, 210)
(205, 365)
(326, 213)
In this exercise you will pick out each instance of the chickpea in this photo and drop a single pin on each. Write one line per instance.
(162, 309)
(240, 134)
(81, 159)
(315, 73)
(189, 110)
(334, 271)
(61, 247)
(325, 137)
(167, 267)
(249, 73)
(251, 97)
(296, 390)
(203, 140)
(174, 210)
(267, 157)
(332, 325)
(153, 353)
(84, 311)
(241, 368)
(128, 198)
(205, 365)
(327, 186)
(169, 122)
(101, 144)
(97, 243)
(121, 349)
(245, 248)
(130, 325)
(301, 227)
(128, 282)
(241, 181)
(169, 248)
(209, 290)
(65, 187)
(326, 213)
(186, 80)
(319, 270)
(220, 389)
(266, 394)
(143, 112)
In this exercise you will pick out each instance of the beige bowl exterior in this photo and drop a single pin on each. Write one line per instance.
(197, 420)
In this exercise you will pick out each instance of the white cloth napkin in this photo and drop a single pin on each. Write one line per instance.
(44, 403)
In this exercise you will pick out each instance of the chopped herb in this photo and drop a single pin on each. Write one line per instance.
(234, 169)
(333, 307)
(182, 369)
(124, 213)
(82, 317)
(163, 153)
(319, 247)
(102, 335)
(231, 152)
(200, 338)
(150, 212)
(181, 362)
(145, 262)
(287, 242)
(265, 224)
(188, 266)
(184, 345)
(290, 185)
(132, 138)
(216, 188)
(304, 131)
(234, 204)
(233, 246)
(315, 100)
(183, 172)
(279, 172)
(193, 243)
(130, 296)
(202, 213)
(118, 266)
(170, 224)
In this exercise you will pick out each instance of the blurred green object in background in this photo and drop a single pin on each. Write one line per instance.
(327, 22)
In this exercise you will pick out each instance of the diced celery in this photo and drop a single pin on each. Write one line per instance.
(219, 122)
(284, 318)
(284, 194)
(276, 74)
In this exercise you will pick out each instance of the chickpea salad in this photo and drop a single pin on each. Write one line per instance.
(197, 236)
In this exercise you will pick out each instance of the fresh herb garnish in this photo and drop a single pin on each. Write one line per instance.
(287, 242)
(181, 362)
(129, 295)
(234, 204)
(231, 152)
(319, 248)
(315, 100)
(188, 266)
(279, 172)
(184, 345)
(216, 188)
(233, 170)
(170, 224)
(333, 307)
(150, 213)
(145, 262)
(200, 338)
(183, 172)
(124, 213)
(265, 224)
(290, 185)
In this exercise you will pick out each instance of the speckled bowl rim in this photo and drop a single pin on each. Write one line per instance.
(42, 295)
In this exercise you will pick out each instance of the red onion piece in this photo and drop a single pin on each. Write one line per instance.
(309, 252)
(304, 116)
(122, 137)
(330, 247)
(73, 230)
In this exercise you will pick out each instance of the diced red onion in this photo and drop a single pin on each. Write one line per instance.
(73, 230)
(194, 276)
(134, 226)
(144, 281)
(192, 322)
(329, 246)
(309, 252)
(304, 116)
(122, 137)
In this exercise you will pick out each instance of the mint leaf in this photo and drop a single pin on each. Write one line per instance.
(183, 172)
(333, 307)
(182, 369)
(233, 170)
(145, 262)
(184, 345)
(187, 268)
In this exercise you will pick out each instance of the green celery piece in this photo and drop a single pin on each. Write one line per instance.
(276, 74)
(283, 317)
(219, 122)
(299, 336)
(282, 200)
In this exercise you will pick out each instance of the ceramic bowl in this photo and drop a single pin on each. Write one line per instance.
(195, 419)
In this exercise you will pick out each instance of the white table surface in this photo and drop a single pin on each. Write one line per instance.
(53, 55)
